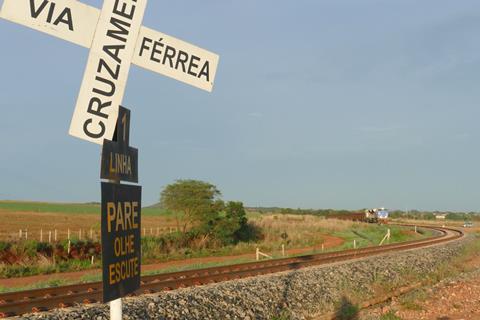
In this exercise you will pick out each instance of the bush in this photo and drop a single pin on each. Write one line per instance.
(28, 248)
(155, 247)
(234, 227)
(5, 246)
(347, 310)
(207, 222)
(44, 248)
(249, 232)
(84, 250)
(24, 270)
(456, 216)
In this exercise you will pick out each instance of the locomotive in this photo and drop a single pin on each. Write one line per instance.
(376, 215)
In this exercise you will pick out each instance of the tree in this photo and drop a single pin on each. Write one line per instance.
(203, 218)
(245, 231)
(227, 225)
(193, 202)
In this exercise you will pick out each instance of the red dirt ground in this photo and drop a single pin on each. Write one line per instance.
(456, 300)
(329, 242)
(452, 300)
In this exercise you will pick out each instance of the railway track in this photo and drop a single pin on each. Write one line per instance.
(18, 303)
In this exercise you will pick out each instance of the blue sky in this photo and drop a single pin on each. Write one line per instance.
(317, 104)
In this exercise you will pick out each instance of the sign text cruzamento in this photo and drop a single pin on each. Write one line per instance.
(107, 69)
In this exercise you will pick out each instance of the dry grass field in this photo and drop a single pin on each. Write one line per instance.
(446, 223)
(35, 218)
(299, 234)
(302, 230)
(34, 222)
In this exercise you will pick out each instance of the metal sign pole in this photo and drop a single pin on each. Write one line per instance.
(116, 309)
(116, 305)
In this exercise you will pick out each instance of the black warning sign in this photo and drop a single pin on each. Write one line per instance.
(121, 225)
(119, 160)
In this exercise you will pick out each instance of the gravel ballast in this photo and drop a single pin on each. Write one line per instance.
(301, 294)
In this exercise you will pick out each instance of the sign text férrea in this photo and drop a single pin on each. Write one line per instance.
(121, 225)
(75, 22)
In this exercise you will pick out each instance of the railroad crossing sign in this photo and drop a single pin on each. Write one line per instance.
(116, 40)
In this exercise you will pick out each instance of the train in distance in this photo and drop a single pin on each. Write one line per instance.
(376, 215)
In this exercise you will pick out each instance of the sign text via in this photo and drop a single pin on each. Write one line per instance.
(52, 14)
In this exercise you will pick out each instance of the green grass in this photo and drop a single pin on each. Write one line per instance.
(38, 285)
(254, 215)
(458, 265)
(390, 316)
(98, 277)
(410, 300)
(91, 278)
(42, 207)
(346, 310)
(371, 235)
(25, 270)
(83, 208)
(366, 233)
(284, 315)
(70, 208)
(197, 266)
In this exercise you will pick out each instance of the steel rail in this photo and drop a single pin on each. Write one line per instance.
(19, 303)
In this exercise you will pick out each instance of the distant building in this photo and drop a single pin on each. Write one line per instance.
(439, 216)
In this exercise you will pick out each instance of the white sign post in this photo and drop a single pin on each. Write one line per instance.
(116, 39)
(111, 35)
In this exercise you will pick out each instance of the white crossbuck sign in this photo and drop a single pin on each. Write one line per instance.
(116, 39)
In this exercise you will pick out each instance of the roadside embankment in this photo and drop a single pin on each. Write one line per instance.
(300, 294)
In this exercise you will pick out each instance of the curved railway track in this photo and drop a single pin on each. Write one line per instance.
(18, 303)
